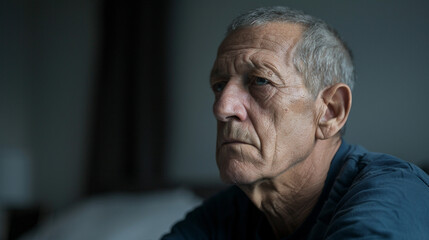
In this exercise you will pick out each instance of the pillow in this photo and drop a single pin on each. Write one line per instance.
(118, 217)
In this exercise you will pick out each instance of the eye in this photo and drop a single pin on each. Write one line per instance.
(259, 81)
(219, 86)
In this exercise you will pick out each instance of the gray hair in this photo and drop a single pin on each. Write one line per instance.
(321, 56)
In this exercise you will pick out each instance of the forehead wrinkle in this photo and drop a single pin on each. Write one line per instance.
(270, 64)
(256, 58)
(275, 48)
(278, 47)
(219, 68)
(259, 43)
(230, 64)
(243, 61)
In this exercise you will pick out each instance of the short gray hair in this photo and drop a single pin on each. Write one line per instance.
(321, 56)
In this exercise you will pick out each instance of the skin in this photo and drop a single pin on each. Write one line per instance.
(275, 140)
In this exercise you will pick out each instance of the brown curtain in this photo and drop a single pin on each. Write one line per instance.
(127, 143)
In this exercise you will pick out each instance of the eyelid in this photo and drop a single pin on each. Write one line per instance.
(213, 85)
(214, 80)
(253, 78)
(272, 80)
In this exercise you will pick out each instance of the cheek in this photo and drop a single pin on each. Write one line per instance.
(239, 164)
(295, 128)
(264, 122)
(264, 95)
(297, 117)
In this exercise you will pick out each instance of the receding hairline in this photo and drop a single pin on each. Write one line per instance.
(299, 30)
(264, 15)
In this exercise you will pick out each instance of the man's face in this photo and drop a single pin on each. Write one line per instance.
(266, 117)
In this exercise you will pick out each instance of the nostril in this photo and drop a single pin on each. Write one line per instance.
(233, 118)
(227, 109)
(221, 110)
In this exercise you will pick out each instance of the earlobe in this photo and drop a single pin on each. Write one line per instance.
(336, 102)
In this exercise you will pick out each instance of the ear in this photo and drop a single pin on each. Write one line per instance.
(336, 102)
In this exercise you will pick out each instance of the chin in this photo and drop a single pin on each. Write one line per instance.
(235, 179)
(237, 173)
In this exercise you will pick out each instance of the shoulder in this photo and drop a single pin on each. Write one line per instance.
(383, 173)
(379, 195)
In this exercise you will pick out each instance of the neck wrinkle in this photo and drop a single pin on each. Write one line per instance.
(288, 199)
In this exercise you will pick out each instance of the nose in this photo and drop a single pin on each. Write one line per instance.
(231, 104)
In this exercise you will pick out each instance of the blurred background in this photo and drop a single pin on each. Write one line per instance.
(100, 97)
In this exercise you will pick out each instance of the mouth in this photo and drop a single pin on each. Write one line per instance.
(233, 141)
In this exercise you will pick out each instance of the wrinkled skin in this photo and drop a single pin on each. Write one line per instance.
(275, 140)
(266, 116)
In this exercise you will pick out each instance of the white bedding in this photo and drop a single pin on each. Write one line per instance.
(118, 217)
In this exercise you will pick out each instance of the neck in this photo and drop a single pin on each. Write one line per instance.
(288, 199)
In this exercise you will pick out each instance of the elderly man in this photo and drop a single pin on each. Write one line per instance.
(282, 83)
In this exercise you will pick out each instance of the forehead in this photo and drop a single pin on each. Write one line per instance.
(275, 36)
(271, 44)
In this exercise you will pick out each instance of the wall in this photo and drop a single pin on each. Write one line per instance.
(47, 61)
(389, 111)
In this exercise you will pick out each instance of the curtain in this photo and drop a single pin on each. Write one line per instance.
(127, 132)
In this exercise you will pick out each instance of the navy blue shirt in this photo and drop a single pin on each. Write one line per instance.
(366, 196)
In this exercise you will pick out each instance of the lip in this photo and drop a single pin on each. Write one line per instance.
(233, 141)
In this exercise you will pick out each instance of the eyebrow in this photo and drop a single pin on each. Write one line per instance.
(255, 65)
(216, 73)
(270, 67)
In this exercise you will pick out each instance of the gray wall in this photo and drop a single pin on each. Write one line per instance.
(389, 40)
(47, 55)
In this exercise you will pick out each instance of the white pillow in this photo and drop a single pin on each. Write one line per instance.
(118, 217)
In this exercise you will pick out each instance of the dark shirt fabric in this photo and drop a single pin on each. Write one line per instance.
(366, 196)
